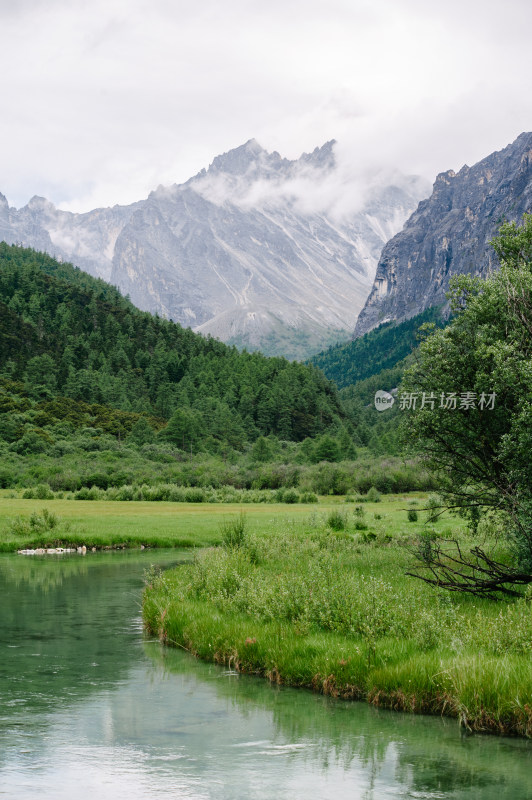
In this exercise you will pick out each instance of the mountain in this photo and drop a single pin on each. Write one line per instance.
(449, 234)
(86, 239)
(257, 250)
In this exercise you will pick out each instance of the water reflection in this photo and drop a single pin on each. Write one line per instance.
(65, 625)
(390, 754)
(87, 706)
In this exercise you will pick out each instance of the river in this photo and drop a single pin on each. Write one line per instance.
(89, 707)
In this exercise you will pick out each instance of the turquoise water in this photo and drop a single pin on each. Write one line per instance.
(91, 708)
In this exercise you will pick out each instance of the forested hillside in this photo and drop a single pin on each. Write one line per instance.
(380, 349)
(99, 397)
(65, 334)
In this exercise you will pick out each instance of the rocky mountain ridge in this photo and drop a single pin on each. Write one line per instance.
(449, 234)
(255, 250)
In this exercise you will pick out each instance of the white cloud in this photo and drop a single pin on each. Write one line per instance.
(339, 192)
(104, 101)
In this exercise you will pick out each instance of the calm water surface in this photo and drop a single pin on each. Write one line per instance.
(90, 708)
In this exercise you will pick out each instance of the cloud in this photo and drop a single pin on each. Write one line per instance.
(106, 100)
(339, 191)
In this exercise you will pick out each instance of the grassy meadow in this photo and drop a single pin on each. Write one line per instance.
(106, 523)
(322, 601)
(114, 523)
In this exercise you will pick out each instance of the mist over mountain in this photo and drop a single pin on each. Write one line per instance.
(257, 250)
(450, 234)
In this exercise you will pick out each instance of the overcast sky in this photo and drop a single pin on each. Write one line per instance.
(103, 100)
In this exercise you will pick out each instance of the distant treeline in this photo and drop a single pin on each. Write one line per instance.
(380, 349)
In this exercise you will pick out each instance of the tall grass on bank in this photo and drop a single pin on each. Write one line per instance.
(333, 611)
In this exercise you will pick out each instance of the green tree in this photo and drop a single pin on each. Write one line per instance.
(347, 448)
(481, 449)
(261, 450)
(142, 432)
(183, 429)
(41, 372)
(326, 449)
(107, 352)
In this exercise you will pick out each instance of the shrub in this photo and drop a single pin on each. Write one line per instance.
(88, 494)
(234, 532)
(337, 521)
(62, 448)
(64, 481)
(412, 515)
(37, 523)
(123, 493)
(32, 443)
(194, 494)
(47, 520)
(433, 506)
(425, 544)
(43, 492)
(326, 449)
(7, 479)
(99, 479)
(291, 496)
(176, 494)
(40, 492)
(373, 495)
(327, 478)
(308, 497)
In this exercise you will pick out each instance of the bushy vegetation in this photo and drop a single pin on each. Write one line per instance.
(36, 523)
(326, 606)
(69, 445)
(169, 492)
(156, 473)
(474, 431)
(41, 528)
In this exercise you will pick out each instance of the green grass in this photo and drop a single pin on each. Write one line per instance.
(305, 605)
(112, 524)
(100, 523)
(97, 523)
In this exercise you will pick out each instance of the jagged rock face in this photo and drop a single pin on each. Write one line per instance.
(87, 240)
(234, 254)
(245, 251)
(449, 234)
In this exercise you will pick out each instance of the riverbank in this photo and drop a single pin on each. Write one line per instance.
(333, 611)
